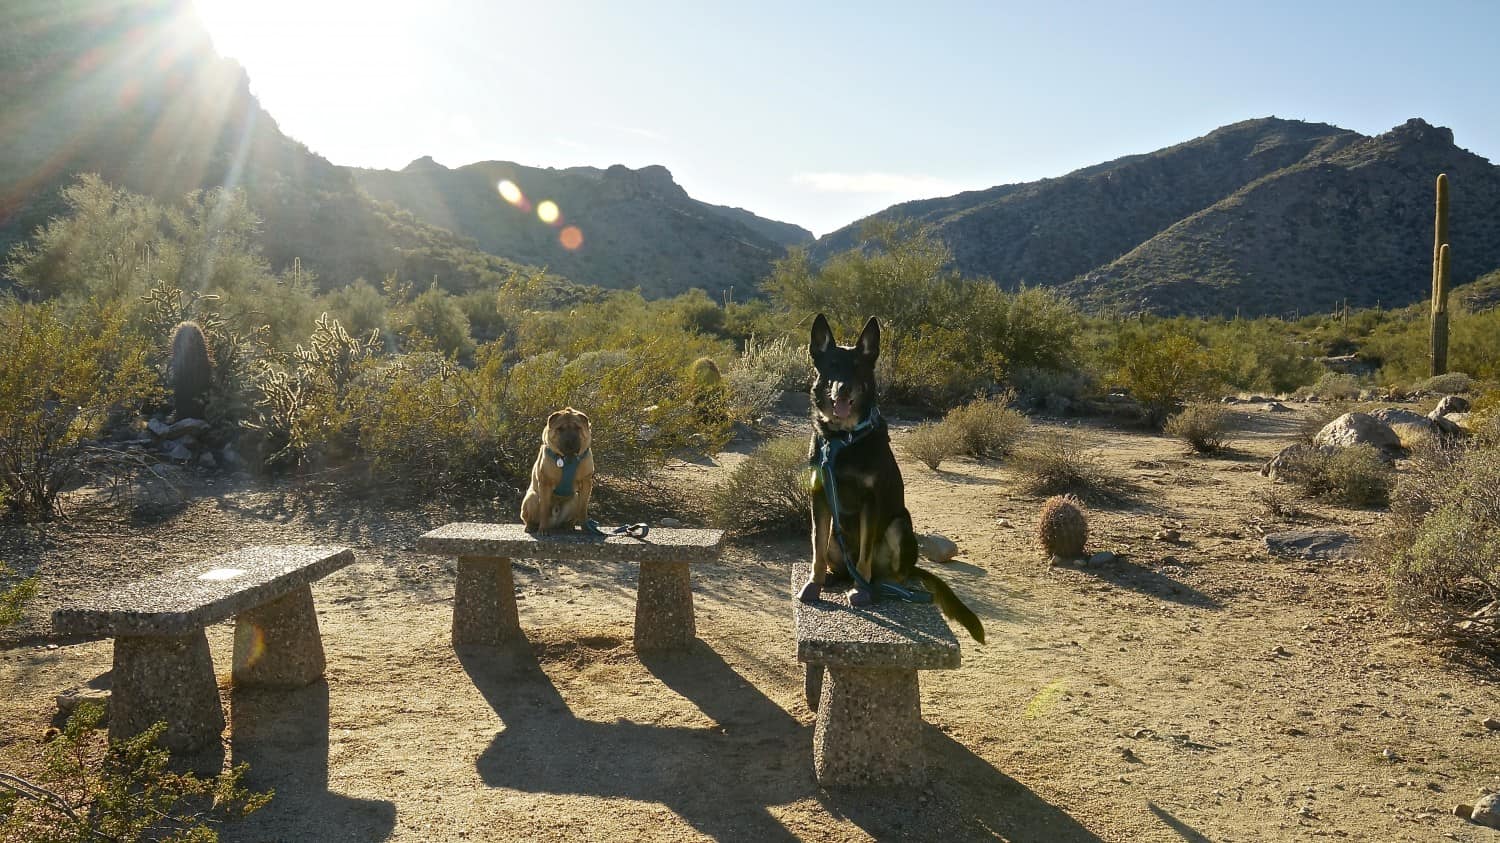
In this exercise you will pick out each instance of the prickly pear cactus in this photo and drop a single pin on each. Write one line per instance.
(1062, 528)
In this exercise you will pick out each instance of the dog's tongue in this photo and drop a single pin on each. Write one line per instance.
(841, 407)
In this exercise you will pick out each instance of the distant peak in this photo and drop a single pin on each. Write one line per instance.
(653, 178)
(424, 163)
(1417, 130)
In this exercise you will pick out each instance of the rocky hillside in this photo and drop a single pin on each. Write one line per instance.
(618, 227)
(1262, 217)
(135, 92)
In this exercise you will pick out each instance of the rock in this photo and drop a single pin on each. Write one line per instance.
(206, 460)
(229, 457)
(1450, 404)
(183, 427)
(1459, 419)
(1400, 415)
(937, 548)
(179, 452)
(1167, 535)
(1487, 811)
(158, 427)
(1003, 522)
(67, 701)
(1491, 723)
(1352, 429)
(1103, 557)
(1284, 465)
(1314, 545)
(1462, 810)
(670, 523)
(1258, 399)
(1446, 426)
(1277, 407)
(1230, 399)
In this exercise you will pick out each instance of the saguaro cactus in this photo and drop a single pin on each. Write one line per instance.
(191, 371)
(1439, 322)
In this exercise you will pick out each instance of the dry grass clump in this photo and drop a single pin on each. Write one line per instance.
(1201, 425)
(930, 443)
(1451, 383)
(985, 427)
(768, 490)
(1355, 476)
(1335, 386)
(1443, 541)
(1054, 463)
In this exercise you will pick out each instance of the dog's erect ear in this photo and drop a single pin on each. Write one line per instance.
(822, 337)
(869, 339)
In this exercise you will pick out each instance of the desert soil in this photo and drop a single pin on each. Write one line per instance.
(1192, 690)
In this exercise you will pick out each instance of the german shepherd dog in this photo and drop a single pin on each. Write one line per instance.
(871, 497)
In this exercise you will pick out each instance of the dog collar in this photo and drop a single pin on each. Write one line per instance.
(569, 466)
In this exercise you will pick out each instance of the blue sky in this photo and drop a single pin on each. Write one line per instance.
(820, 113)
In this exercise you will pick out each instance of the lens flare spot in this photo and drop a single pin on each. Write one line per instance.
(570, 238)
(547, 212)
(509, 191)
(254, 647)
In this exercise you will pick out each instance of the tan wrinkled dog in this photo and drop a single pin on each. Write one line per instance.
(563, 477)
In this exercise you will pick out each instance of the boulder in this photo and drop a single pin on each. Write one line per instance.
(1352, 429)
(1487, 811)
(1315, 545)
(158, 427)
(1399, 415)
(1450, 404)
(184, 427)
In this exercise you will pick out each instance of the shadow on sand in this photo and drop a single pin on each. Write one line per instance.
(1139, 578)
(725, 778)
(283, 734)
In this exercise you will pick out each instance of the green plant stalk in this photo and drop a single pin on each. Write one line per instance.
(1439, 322)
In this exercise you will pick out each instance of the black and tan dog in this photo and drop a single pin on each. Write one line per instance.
(563, 477)
(871, 496)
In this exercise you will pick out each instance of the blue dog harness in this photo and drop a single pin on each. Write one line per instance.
(827, 455)
(569, 466)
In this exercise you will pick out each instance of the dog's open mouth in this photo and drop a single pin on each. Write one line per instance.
(841, 408)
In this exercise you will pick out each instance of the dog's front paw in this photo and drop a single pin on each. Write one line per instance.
(809, 593)
(860, 597)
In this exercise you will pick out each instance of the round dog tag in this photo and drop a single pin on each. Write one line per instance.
(559, 462)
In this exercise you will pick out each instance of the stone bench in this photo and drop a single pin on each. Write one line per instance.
(484, 603)
(869, 704)
(162, 667)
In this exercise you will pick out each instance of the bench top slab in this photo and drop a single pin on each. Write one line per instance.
(188, 598)
(467, 538)
(889, 634)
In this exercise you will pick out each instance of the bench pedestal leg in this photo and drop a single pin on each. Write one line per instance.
(277, 644)
(869, 728)
(484, 602)
(812, 685)
(664, 607)
(167, 678)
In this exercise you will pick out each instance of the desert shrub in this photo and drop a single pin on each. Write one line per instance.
(1036, 386)
(985, 427)
(1201, 425)
(14, 596)
(435, 316)
(93, 789)
(930, 443)
(59, 384)
(101, 248)
(1161, 368)
(1054, 463)
(361, 308)
(1443, 540)
(694, 311)
(1353, 476)
(1453, 383)
(763, 371)
(938, 368)
(768, 489)
(1258, 355)
(1334, 386)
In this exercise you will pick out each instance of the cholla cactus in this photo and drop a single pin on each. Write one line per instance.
(191, 371)
(1062, 529)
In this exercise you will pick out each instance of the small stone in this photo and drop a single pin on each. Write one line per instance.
(1103, 557)
(184, 427)
(937, 548)
(671, 523)
(1168, 535)
(206, 459)
(158, 427)
(67, 701)
(1280, 651)
(1389, 754)
(179, 452)
(1491, 723)
(1487, 811)
(1003, 522)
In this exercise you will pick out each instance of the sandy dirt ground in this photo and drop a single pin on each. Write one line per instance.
(1192, 690)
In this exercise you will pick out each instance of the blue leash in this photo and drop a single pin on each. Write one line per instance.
(829, 452)
(635, 531)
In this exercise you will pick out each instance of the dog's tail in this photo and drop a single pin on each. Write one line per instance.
(950, 604)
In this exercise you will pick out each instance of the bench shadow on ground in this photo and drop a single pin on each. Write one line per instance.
(1127, 574)
(725, 779)
(283, 735)
(1185, 831)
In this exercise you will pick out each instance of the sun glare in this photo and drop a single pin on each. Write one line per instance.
(547, 211)
(509, 192)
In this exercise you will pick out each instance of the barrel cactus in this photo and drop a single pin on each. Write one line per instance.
(1062, 529)
(191, 371)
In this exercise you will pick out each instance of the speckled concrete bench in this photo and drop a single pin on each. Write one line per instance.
(162, 667)
(869, 704)
(484, 604)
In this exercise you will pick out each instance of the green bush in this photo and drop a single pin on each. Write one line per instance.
(764, 370)
(769, 489)
(1443, 540)
(361, 308)
(1257, 355)
(1335, 386)
(122, 791)
(1353, 476)
(13, 597)
(1161, 368)
(1054, 463)
(59, 384)
(1201, 425)
(985, 427)
(1452, 383)
(435, 317)
(930, 443)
